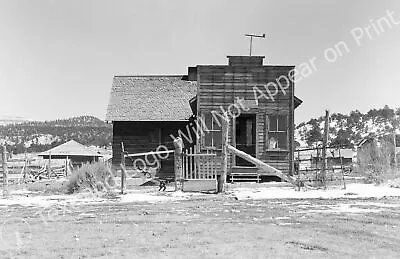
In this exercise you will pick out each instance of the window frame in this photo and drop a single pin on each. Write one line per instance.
(286, 131)
(210, 131)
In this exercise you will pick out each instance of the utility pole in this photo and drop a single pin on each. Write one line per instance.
(251, 39)
(324, 144)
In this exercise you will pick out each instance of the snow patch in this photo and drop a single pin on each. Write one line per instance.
(352, 191)
(26, 198)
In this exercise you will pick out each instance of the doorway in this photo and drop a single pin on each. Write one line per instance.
(245, 133)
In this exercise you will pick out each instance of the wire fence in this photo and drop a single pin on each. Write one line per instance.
(309, 164)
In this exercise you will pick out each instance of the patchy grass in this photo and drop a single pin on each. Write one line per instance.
(92, 177)
(56, 186)
(214, 227)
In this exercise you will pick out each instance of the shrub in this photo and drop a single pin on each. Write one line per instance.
(93, 177)
(375, 160)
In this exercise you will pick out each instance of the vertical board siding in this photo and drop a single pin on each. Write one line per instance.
(219, 86)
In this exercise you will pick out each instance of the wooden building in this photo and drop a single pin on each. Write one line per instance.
(77, 153)
(259, 100)
(145, 111)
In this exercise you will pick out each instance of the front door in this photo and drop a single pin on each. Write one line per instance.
(245, 137)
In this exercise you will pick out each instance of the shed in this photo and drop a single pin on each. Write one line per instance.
(76, 152)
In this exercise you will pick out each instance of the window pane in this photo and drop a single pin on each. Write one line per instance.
(217, 137)
(207, 120)
(273, 141)
(217, 122)
(207, 139)
(213, 137)
(272, 123)
(282, 123)
(249, 131)
(282, 140)
(277, 140)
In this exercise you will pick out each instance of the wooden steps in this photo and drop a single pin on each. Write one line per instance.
(261, 165)
(248, 176)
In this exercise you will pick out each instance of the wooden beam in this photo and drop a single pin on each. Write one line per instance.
(150, 153)
(260, 164)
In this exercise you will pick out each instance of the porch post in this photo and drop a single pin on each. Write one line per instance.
(224, 154)
(123, 173)
(178, 144)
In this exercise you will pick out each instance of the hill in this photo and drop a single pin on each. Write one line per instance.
(349, 129)
(344, 130)
(37, 136)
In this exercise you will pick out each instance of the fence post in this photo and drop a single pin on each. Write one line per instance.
(66, 166)
(178, 144)
(395, 155)
(5, 173)
(316, 165)
(224, 153)
(49, 168)
(342, 169)
(123, 175)
(298, 170)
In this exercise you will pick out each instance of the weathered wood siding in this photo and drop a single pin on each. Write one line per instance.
(146, 136)
(220, 86)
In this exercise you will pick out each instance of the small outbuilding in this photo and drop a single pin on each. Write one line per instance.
(77, 153)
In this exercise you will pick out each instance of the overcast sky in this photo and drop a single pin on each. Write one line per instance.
(58, 58)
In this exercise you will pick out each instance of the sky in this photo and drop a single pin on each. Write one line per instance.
(58, 58)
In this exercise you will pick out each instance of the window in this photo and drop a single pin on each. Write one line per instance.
(212, 131)
(277, 132)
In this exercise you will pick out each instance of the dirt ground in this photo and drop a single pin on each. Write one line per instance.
(206, 226)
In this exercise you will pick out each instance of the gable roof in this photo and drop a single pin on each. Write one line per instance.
(155, 98)
(70, 148)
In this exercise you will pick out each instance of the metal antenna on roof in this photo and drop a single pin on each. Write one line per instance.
(251, 39)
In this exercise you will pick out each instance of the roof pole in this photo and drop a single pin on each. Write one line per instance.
(251, 39)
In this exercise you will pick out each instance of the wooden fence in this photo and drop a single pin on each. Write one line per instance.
(310, 162)
(199, 166)
(18, 171)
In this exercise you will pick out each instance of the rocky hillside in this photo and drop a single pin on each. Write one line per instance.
(37, 136)
(349, 129)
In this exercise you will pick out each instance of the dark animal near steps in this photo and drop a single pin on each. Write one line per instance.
(163, 184)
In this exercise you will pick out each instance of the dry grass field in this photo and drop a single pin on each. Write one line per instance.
(202, 226)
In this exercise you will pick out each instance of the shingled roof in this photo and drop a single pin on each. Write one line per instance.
(70, 148)
(155, 98)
